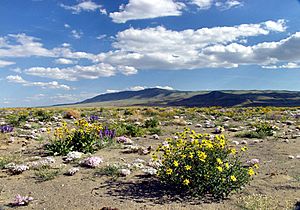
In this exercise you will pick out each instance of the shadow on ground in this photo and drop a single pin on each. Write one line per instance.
(148, 190)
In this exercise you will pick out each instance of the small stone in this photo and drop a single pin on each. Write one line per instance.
(255, 141)
(236, 142)
(155, 136)
(27, 126)
(298, 156)
(198, 125)
(125, 172)
(286, 140)
(291, 157)
(72, 171)
(150, 171)
(244, 142)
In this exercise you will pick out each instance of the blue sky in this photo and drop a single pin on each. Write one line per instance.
(65, 51)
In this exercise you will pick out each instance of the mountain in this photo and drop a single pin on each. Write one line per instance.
(162, 97)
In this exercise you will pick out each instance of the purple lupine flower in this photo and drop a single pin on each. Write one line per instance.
(94, 118)
(107, 133)
(6, 129)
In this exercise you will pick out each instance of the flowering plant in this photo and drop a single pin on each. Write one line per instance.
(6, 129)
(201, 165)
(21, 200)
(83, 138)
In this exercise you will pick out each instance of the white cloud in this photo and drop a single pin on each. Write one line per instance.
(23, 46)
(284, 66)
(52, 85)
(67, 25)
(5, 63)
(76, 34)
(101, 36)
(203, 4)
(138, 88)
(145, 9)
(228, 4)
(74, 73)
(159, 48)
(84, 6)
(65, 61)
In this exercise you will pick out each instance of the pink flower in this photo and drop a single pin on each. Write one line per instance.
(22, 200)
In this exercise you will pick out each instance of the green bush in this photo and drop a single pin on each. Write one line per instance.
(151, 123)
(84, 138)
(262, 130)
(198, 166)
(43, 115)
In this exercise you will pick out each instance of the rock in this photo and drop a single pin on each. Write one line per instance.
(150, 171)
(124, 172)
(289, 122)
(219, 130)
(233, 129)
(198, 126)
(244, 142)
(72, 171)
(286, 140)
(298, 156)
(43, 130)
(176, 117)
(137, 123)
(236, 142)
(189, 123)
(155, 136)
(27, 126)
(255, 141)
(11, 140)
(291, 157)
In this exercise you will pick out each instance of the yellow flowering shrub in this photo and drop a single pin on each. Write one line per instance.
(84, 137)
(200, 165)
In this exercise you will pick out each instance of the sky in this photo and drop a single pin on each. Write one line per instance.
(63, 51)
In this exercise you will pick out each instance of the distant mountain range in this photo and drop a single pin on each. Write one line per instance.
(162, 97)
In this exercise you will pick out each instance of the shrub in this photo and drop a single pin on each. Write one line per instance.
(84, 138)
(151, 123)
(261, 131)
(199, 166)
(72, 114)
(43, 115)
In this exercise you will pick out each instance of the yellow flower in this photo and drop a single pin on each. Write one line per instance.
(244, 149)
(188, 167)
(251, 172)
(233, 178)
(220, 162)
(169, 171)
(186, 182)
(183, 156)
(227, 165)
(176, 164)
(256, 166)
(220, 168)
(202, 156)
(191, 155)
(233, 151)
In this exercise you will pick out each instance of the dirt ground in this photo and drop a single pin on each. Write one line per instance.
(278, 179)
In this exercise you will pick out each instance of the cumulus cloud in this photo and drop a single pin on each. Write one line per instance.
(52, 85)
(65, 61)
(21, 45)
(5, 63)
(77, 72)
(145, 9)
(138, 88)
(160, 48)
(76, 34)
(88, 6)
(228, 4)
(203, 4)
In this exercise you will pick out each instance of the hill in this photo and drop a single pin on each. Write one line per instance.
(162, 97)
